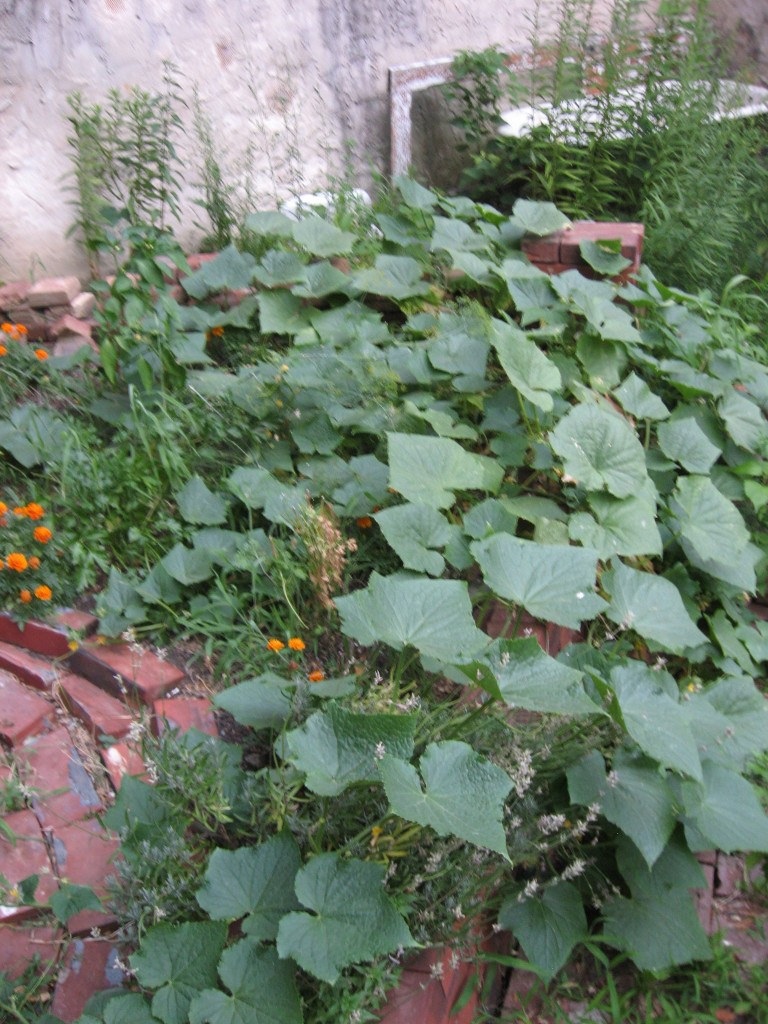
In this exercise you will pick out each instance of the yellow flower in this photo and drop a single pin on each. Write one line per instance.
(17, 561)
(296, 643)
(375, 833)
(275, 645)
(43, 593)
(73, 645)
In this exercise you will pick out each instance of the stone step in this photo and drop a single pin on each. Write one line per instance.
(49, 638)
(22, 712)
(63, 790)
(102, 714)
(119, 669)
(29, 668)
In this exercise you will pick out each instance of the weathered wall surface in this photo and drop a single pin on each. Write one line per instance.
(285, 83)
(745, 24)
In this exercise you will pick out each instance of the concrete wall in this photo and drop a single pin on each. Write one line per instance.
(291, 78)
(745, 24)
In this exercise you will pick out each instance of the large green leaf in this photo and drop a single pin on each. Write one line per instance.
(282, 312)
(252, 486)
(452, 234)
(352, 918)
(529, 370)
(619, 526)
(744, 421)
(254, 883)
(434, 616)
(654, 720)
(279, 268)
(658, 926)
(269, 222)
(462, 794)
(709, 522)
(538, 218)
(604, 257)
(652, 606)
(414, 194)
(321, 279)
(200, 505)
(634, 795)
(414, 531)
(745, 710)
(638, 399)
(723, 812)
(187, 565)
(336, 748)
(322, 238)
(682, 439)
(600, 451)
(547, 926)
(260, 703)
(530, 288)
(262, 990)
(394, 277)
(552, 581)
(230, 271)
(429, 469)
(523, 676)
(179, 961)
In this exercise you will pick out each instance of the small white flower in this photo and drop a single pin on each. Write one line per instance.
(380, 751)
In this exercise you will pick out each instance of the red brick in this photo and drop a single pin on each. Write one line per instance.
(13, 294)
(53, 291)
(48, 638)
(630, 235)
(554, 268)
(121, 759)
(197, 259)
(186, 713)
(729, 875)
(19, 946)
(100, 712)
(142, 673)
(78, 622)
(543, 250)
(64, 792)
(32, 670)
(22, 712)
(83, 853)
(89, 966)
(68, 344)
(551, 637)
(29, 856)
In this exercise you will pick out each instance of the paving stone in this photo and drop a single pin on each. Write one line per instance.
(22, 712)
(64, 792)
(82, 305)
(121, 759)
(83, 854)
(31, 669)
(13, 294)
(20, 945)
(101, 713)
(29, 856)
(142, 673)
(729, 875)
(88, 966)
(69, 324)
(53, 291)
(48, 638)
(184, 713)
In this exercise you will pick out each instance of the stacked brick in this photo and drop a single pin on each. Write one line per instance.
(561, 251)
(58, 834)
(54, 310)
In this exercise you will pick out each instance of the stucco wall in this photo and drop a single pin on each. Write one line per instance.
(745, 24)
(287, 76)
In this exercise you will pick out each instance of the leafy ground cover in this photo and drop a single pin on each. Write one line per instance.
(401, 428)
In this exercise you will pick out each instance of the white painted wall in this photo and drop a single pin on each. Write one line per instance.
(280, 74)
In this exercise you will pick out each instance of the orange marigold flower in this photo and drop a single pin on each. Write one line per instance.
(17, 561)
(316, 677)
(40, 353)
(7, 328)
(25, 597)
(3, 350)
(43, 593)
(21, 329)
(3, 508)
(275, 645)
(34, 562)
(365, 522)
(42, 534)
(217, 332)
(34, 511)
(19, 511)
(296, 643)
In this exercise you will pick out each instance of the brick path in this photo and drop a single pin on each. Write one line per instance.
(58, 835)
